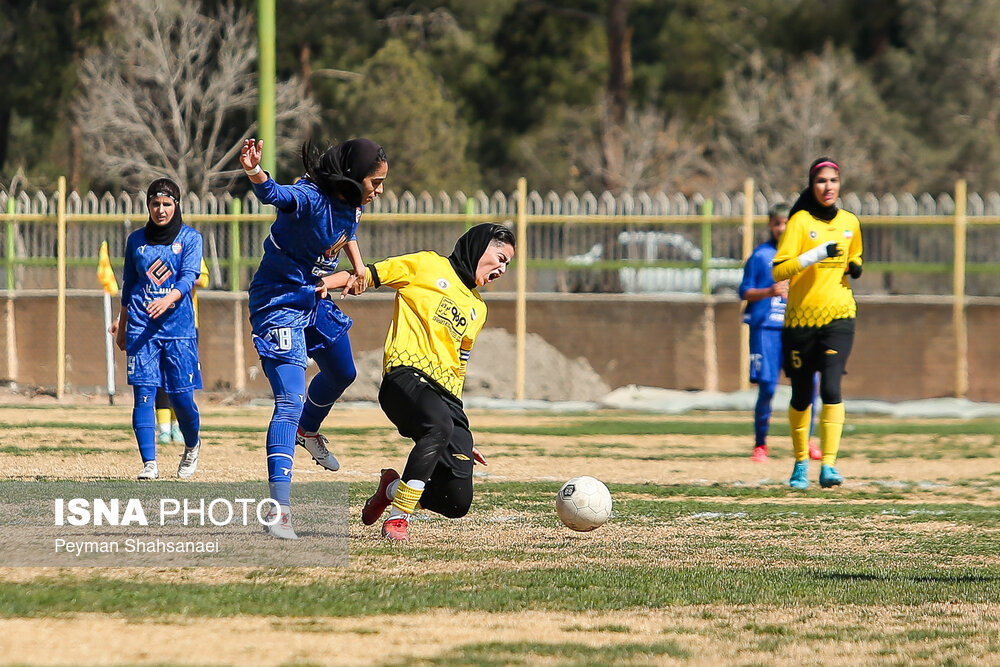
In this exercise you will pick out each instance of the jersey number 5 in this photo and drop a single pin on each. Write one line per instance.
(796, 359)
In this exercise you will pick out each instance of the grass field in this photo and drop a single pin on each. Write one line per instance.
(708, 558)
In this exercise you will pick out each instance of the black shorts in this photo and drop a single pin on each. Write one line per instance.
(417, 405)
(807, 350)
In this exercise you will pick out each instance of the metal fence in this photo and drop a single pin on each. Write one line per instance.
(643, 242)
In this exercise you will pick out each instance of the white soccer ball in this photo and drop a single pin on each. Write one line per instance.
(583, 503)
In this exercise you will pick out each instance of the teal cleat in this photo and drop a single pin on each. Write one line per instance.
(828, 476)
(163, 438)
(800, 475)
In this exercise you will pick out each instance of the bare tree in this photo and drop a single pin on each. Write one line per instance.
(175, 96)
(778, 117)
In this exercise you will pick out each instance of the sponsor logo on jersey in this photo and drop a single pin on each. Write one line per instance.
(472, 314)
(177, 247)
(443, 283)
(848, 234)
(158, 272)
(451, 316)
(812, 233)
(357, 215)
(327, 262)
(461, 457)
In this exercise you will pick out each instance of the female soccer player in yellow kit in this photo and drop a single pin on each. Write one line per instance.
(437, 316)
(820, 248)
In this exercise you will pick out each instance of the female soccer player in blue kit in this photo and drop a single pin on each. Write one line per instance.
(156, 324)
(765, 315)
(317, 217)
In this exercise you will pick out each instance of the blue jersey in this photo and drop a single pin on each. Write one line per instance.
(303, 245)
(151, 271)
(770, 312)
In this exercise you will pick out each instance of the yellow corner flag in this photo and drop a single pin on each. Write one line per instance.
(105, 274)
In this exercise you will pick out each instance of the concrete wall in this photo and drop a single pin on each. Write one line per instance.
(904, 347)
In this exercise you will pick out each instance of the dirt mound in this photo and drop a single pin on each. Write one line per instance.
(549, 375)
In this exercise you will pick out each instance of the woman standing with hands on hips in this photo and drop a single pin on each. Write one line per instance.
(820, 249)
(317, 217)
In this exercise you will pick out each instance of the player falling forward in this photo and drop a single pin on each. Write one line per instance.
(156, 325)
(437, 315)
(820, 248)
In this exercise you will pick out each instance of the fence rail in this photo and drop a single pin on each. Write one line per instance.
(590, 242)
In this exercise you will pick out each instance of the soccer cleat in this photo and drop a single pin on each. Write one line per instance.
(175, 433)
(395, 529)
(149, 471)
(759, 454)
(800, 475)
(283, 527)
(828, 476)
(815, 453)
(379, 502)
(189, 461)
(163, 438)
(316, 446)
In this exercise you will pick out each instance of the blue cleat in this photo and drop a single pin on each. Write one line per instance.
(828, 476)
(800, 475)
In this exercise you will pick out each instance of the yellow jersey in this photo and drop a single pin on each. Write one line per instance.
(435, 319)
(820, 293)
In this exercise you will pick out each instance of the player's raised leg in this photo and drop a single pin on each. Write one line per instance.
(337, 372)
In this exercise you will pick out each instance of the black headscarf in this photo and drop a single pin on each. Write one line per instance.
(469, 250)
(163, 234)
(338, 172)
(807, 199)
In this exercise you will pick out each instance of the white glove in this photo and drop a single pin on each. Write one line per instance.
(820, 252)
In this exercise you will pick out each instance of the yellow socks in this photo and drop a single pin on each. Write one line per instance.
(799, 421)
(831, 427)
(406, 498)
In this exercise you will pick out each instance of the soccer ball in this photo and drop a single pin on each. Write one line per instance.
(583, 503)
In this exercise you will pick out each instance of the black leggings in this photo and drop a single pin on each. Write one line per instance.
(442, 442)
(825, 349)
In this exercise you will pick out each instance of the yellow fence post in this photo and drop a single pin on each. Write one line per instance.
(742, 372)
(235, 274)
(521, 308)
(10, 334)
(958, 311)
(61, 294)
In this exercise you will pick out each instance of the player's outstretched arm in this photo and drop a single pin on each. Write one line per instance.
(342, 280)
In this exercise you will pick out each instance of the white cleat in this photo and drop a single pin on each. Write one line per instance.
(316, 446)
(282, 528)
(149, 471)
(189, 461)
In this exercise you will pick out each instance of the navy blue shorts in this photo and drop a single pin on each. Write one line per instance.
(302, 333)
(171, 364)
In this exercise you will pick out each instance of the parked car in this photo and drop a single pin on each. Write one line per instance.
(724, 273)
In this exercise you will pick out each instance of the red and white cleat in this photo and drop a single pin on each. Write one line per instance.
(395, 529)
(759, 454)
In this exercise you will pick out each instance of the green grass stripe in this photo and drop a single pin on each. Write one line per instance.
(778, 428)
(126, 427)
(590, 588)
(489, 654)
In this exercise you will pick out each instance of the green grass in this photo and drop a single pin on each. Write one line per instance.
(69, 450)
(489, 654)
(610, 426)
(576, 589)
